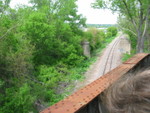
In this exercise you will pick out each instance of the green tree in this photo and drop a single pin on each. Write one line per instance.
(4, 5)
(95, 37)
(112, 30)
(55, 31)
(136, 11)
(128, 29)
(16, 69)
(38, 46)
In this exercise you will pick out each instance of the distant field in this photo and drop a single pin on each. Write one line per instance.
(85, 29)
(100, 25)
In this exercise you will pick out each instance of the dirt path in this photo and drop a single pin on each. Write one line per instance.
(96, 70)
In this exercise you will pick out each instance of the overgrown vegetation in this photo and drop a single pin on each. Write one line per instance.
(135, 16)
(41, 53)
(126, 56)
(111, 31)
(134, 20)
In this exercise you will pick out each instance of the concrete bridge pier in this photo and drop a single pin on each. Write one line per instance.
(86, 49)
(125, 45)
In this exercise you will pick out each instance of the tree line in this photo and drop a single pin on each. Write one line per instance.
(100, 25)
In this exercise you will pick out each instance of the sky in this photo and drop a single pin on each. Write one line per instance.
(94, 16)
(15, 2)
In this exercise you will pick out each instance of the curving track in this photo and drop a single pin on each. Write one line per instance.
(110, 58)
(108, 65)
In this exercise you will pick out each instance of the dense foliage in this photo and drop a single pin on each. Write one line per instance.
(95, 37)
(111, 31)
(41, 53)
(38, 46)
(98, 37)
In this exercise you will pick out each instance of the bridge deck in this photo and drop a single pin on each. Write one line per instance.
(85, 95)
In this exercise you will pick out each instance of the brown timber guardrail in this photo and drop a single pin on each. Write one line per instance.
(87, 99)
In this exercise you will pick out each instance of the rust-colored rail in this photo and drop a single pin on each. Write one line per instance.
(81, 98)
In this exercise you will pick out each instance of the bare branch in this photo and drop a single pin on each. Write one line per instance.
(34, 80)
(128, 30)
(146, 21)
(130, 15)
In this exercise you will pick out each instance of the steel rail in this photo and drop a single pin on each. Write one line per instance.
(110, 56)
(78, 100)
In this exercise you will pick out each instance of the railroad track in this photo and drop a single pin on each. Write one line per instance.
(110, 57)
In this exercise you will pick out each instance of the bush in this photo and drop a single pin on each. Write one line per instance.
(133, 40)
(20, 101)
(111, 31)
(126, 57)
(108, 34)
(49, 76)
(95, 37)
